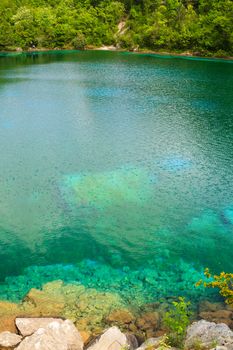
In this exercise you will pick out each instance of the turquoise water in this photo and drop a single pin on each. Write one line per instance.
(115, 162)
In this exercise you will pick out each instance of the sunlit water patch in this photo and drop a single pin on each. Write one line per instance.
(115, 164)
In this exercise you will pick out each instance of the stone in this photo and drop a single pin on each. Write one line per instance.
(149, 343)
(56, 335)
(8, 339)
(44, 304)
(86, 307)
(28, 326)
(209, 335)
(7, 323)
(114, 339)
(120, 317)
(8, 313)
(148, 321)
(86, 336)
(205, 305)
(219, 316)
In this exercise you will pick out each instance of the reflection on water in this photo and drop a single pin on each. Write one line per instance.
(117, 158)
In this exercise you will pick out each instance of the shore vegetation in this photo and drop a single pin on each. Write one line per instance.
(202, 27)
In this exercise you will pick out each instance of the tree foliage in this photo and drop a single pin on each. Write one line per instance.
(223, 281)
(204, 26)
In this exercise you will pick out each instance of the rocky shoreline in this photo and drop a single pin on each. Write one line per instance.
(55, 333)
(92, 315)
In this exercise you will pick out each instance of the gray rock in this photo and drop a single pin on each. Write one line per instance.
(28, 326)
(150, 342)
(209, 335)
(114, 339)
(8, 339)
(56, 335)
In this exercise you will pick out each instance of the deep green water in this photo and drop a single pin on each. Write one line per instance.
(117, 163)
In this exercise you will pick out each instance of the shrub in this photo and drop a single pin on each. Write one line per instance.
(224, 282)
(177, 320)
(79, 42)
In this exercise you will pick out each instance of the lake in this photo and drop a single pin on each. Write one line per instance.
(115, 162)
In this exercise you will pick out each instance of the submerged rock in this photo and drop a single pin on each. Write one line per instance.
(120, 317)
(148, 323)
(114, 339)
(8, 313)
(216, 312)
(86, 307)
(8, 339)
(219, 316)
(56, 335)
(208, 335)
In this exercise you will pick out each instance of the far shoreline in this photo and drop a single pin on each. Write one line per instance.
(167, 54)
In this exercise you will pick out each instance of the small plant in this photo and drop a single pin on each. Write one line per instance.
(163, 344)
(224, 282)
(177, 320)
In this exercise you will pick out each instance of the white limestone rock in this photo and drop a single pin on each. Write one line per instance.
(28, 326)
(150, 342)
(8, 339)
(114, 339)
(209, 335)
(56, 335)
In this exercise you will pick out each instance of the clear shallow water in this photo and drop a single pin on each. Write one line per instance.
(119, 158)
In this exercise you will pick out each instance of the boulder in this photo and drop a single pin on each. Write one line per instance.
(114, 339)
(28, 326)
(151, 342)
(8, 339)
(209, 335)
(56, 335)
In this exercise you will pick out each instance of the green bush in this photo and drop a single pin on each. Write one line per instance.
(176, 320)
(79, 42)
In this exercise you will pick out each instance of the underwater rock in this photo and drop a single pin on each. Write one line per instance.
(135, 287)
(56, 335)
(28, 326)
(120, 317)
(44, 304)
(7, 323)
(8, 339)
(206, 305)
(7, 308)
(86, 307)
(216, 312)
(148, 323)
(208, 333)
(8, 313)
(102, 190)
(219, 316)
(114, 339)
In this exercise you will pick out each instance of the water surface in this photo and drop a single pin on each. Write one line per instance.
(118, 158)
